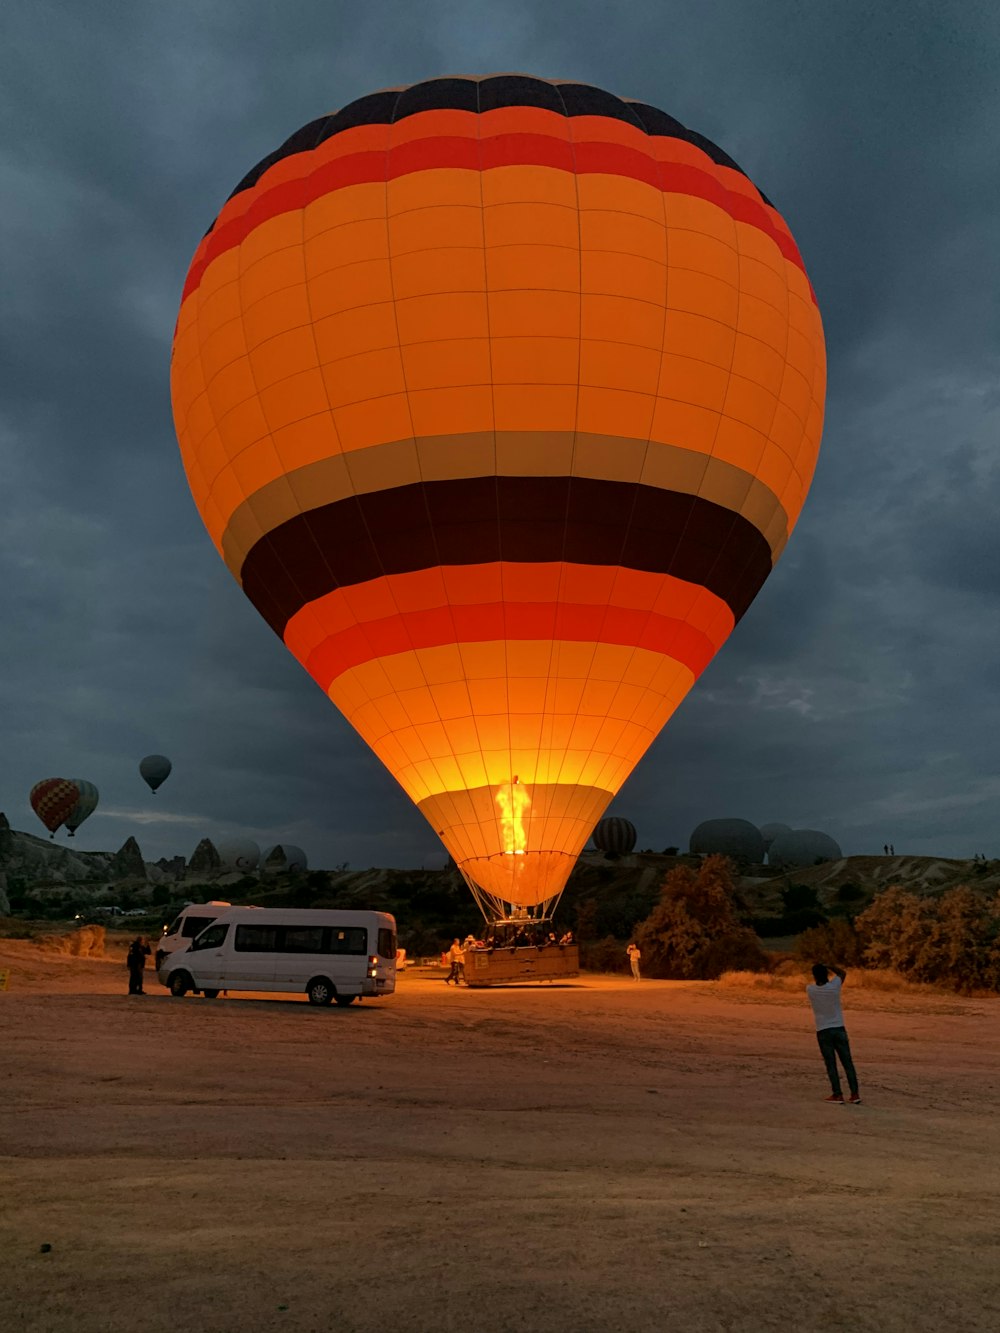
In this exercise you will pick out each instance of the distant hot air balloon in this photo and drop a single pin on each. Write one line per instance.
(53, 801)
(155, 769)
(615, 836)
(500, 397)
(285, 856)
(239, 854)
(85, 806)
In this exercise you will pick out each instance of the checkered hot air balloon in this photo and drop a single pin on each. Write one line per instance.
(53, 801)
(500, 397)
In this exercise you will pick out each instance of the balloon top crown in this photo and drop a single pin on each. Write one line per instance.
(480, 95)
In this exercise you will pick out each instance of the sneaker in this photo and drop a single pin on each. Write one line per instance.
(835, 1097)
(854, 1099)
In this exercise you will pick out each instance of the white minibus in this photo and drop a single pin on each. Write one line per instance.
(323, 953)
(190, 921)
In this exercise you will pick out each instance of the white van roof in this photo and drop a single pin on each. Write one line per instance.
(303, 916)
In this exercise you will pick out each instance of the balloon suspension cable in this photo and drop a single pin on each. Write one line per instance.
(497, 911)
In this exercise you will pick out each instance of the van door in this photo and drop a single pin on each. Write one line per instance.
(206, 958)
(300, 958)
(251, 961)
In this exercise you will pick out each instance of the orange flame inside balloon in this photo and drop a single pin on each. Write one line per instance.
(513, 800)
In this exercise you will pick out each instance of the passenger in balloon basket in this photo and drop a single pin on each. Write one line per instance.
(135, 961)
(456, 958)
(824, 996)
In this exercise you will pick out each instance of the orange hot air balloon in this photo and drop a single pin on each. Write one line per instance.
(500, 397)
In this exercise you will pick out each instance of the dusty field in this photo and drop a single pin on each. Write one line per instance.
(601, 1156)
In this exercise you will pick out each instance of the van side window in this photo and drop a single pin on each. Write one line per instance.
(257, 939)
(194, 925)
(346, 939)
(386, 943)
(210, 939)
(303, 939)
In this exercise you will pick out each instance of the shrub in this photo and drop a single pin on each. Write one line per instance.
(953, 940)
(607, 955)
(849, 893)
(695, 930)
(799, 897)
(833, 942)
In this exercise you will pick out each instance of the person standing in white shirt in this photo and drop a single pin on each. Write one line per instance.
(634, 956)
(824, 996)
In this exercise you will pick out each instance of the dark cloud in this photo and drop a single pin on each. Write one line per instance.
(860, 692)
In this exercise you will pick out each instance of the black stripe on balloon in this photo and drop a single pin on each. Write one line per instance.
(566, 99)
(481, 520)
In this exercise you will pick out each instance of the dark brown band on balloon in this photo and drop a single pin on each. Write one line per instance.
(505, 453)
(481, 520)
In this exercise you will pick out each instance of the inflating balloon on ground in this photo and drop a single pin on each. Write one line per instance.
(500, 398)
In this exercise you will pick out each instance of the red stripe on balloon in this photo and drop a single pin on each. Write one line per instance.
(585, 158)
(575, 623)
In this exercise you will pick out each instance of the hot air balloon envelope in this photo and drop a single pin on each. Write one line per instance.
(85, 806)
(154, 770)
(500, 398)
(239, 854)
(54, 800)
(615, 835)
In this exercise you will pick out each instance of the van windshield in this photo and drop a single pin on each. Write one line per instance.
(194, 925)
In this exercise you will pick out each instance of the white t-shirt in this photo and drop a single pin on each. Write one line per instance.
(825, 1001)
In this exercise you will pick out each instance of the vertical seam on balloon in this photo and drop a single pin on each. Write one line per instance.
(652, 416)
(777, 397)
(556, 779)
(732, 361)
(583, 767)
(270, 433)
(392, 287)
(333, 422)
(494, 813)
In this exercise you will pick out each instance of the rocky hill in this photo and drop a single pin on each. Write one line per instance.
(613, 893)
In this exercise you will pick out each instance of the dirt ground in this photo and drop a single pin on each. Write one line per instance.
(598, 1156)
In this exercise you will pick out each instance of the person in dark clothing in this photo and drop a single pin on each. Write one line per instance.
(135, 961)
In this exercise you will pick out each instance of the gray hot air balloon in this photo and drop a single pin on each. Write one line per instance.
(155, 769)
(284, 856)
(85, 806)
(737, 838)
(771, 831)
(239, 854)
(803, 847)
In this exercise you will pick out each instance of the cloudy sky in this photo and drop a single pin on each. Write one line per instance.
(860, 694)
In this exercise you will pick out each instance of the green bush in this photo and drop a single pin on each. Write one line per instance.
(695, 930)
(953, 940)
(799, 898)
(607, 955)
(833, 942)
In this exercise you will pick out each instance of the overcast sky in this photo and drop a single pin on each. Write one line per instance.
(860, 694)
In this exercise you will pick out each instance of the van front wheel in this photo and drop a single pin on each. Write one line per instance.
(345, 1000)
(320, 991)
(180, 984)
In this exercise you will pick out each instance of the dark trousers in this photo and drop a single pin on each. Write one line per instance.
(135, 980)
(456, 974)
(833, 1043)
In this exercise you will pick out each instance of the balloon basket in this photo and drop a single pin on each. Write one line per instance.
(512, 965)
